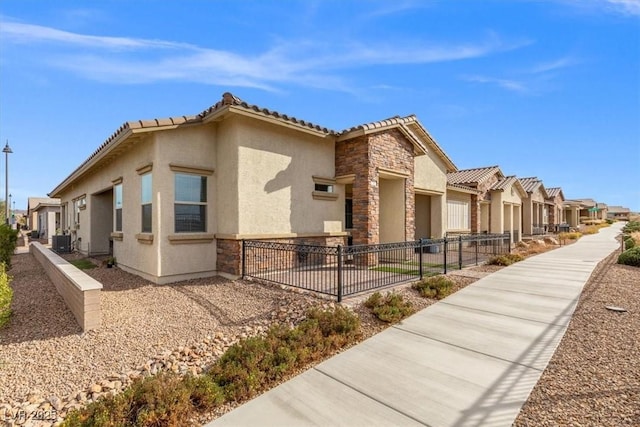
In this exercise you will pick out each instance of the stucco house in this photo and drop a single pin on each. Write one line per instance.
(619, 213)
(43, 216)
(535, 210)
(173, 198)
(496, 204)
(581, 211)
(555, 203)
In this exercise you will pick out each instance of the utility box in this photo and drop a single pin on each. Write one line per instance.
(61, 244)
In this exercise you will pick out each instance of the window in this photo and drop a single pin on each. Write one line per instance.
(324, 187)
(458, 215)
(117, 201)
(348, 214)
(146, 201)
(190, 203)
(78, 205)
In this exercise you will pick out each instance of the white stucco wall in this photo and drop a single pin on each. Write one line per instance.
(392, 210)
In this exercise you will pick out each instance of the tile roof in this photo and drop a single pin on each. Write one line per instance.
(554, 191)
(464, 188)
(619, 209)
(473, 176)
(504, 183)
(530, 184)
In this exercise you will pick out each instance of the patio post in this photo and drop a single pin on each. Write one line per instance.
(420, 248)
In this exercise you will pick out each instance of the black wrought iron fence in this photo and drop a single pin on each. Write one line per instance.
(347, 270)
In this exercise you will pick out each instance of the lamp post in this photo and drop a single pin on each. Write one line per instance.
(6, 150)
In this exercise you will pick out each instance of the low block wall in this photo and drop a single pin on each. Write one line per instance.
(80, 292)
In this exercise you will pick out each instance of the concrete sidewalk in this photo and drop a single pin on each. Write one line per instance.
(469, 360)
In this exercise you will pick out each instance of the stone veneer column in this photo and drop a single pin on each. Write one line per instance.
(362, 156)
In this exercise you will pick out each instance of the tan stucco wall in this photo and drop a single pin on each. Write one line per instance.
(275, 180)
(430, 174)
(193, 147)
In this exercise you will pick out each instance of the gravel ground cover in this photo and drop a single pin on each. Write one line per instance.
(593, 379)
(47, 363)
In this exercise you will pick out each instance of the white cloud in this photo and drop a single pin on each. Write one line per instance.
(511, 85)
(627, 7)
(308, 63)
(553, 65)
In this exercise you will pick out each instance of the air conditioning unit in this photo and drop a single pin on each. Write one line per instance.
(61, 244)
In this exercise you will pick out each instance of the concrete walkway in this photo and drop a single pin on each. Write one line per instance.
(469, 360)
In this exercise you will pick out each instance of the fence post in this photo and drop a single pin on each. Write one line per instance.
(460, 252)
(477, 244)
(420, 248)
(446, 249)
(509, 234)
(244, 254)
(339, 273)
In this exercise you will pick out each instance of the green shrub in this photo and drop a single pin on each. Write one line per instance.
(437, 287)
(610, 221)
(251, 365)
(630, 257)
(247, 368)
(504, 260)
(6, 295)
(629, 243)
(631, 227)
(390, 308)
(162, 400)
(8, 242)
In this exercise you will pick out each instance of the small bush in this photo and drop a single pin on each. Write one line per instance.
(390, 308)
(8, 242)
(592, 229)
(437, 287)
(630, 257)
(631, 227)
(573, 235)
(629, 243)
(505, 260)
(610, 221)
(6, 295)
(247, 368)
(164, 399)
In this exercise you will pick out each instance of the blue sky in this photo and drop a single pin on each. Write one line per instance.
(541, 88)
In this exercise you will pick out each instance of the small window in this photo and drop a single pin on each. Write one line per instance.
(324, 188)
(146, 184)
(117, 201)
(190, 206)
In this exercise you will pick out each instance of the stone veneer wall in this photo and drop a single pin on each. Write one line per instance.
(229, 259)
(362, 156)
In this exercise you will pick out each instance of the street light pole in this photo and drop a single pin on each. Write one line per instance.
(6, 150)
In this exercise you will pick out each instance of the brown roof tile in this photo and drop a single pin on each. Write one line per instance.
(473, 176)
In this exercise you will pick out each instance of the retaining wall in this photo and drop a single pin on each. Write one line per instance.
(80, 292)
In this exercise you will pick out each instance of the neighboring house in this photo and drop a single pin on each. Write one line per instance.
(173, 198)
(585, 210)
(535, 210)
(496, 202)
(43, 216)
(556, 211)
(619, 213)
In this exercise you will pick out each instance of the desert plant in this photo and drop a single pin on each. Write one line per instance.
(389, 308)
(592, 229)
(629, 243)
(630, 257)
(505, 260)
(8, 242)
(437, 287)
(6, 295)
(248, 367)
(631, 227)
